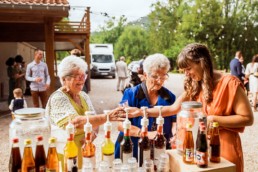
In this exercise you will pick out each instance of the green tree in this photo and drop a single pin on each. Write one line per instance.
(132, 43)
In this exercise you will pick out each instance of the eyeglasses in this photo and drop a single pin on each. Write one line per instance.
(158, 77)
(79, 77)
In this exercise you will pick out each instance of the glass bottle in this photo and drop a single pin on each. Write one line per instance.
(28, 163)
(52, 162)
(148, 165)
(117, 163)
(144, 146)
(132, 162)
(126, 146)
(88, 148)
(103, 166)
(108, 147)
(159, 139)
(202, 147)
(163, 165)
(70, 151)
(215, 143)
(15, 157)
(40, 156)
(188, 145)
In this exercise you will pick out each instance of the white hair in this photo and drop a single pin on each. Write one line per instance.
(70, 64)
(155, 62)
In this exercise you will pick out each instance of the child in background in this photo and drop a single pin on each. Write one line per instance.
(18, 102)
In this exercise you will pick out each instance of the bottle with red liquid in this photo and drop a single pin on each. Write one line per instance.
(126, 146)
(215, 143)
(159, 140)
(144, 144)
(188, 145)
(40, 156)
(202, 147)
(15, 157)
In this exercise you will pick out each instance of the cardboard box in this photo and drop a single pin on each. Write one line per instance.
(177, 164)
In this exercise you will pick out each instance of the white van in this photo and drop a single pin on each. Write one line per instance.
(102, 60)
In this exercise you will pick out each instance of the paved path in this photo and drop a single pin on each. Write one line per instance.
(105, 96)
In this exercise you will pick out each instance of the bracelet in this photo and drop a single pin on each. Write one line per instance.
(139, 133)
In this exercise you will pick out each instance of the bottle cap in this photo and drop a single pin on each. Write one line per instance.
(188, 125)
(160, 119)
(144, 120)
(127, 123)
(107, 125)
(15, 140)
(39, 138)
(69, 128)
(88, 126)
(27, 141)
(52, 140)
(215, 124)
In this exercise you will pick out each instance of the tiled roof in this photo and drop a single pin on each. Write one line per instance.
(35, 2)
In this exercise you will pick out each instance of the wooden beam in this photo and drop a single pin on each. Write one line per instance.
(49, 44)
(87, 48)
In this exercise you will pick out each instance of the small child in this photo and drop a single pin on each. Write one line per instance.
(18, 102)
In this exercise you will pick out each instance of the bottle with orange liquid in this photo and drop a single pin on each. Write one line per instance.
(215, 143)
(40, 156)
(188, 145)
(52, 162)
(88, 148)
(70, 151)
(15, 157)
(28, 163)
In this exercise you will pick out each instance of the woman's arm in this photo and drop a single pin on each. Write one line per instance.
(243, 112)
(168, 110)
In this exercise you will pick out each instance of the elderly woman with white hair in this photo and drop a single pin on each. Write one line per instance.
(150, 93)
(70, 101)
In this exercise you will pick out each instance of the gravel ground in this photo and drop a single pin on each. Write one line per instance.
(105, 96)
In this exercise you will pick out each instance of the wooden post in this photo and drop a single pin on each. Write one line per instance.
(87, 48)
(49, 47)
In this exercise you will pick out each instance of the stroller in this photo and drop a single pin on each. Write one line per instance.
(134, 80)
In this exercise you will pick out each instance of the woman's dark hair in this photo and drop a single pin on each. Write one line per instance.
(197, 53)
(18, 59)
(9, 61)
(255, 58)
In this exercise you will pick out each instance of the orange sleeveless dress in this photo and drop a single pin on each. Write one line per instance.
(223, 97)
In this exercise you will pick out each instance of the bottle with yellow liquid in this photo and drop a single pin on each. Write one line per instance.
(108, 147)
(28, 162)
(70, 151)
(88, 148)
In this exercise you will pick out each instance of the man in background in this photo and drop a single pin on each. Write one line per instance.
(121, 69)
(37, 74)
(236, 66)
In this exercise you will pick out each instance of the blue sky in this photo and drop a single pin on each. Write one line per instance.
(132, 9)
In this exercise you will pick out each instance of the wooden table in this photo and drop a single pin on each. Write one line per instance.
(177, 164)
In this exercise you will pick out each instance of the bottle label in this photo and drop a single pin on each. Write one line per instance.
(126, 156)
(157, 153)
(109, 159)
(201, 158)
(49, 170)
(72, 164)
(42, 168)
(91, 160)
(189, 155)
(31, 169)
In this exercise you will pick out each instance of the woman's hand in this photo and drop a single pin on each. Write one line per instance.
(117, 114)
(79, 121)
(134, 112)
